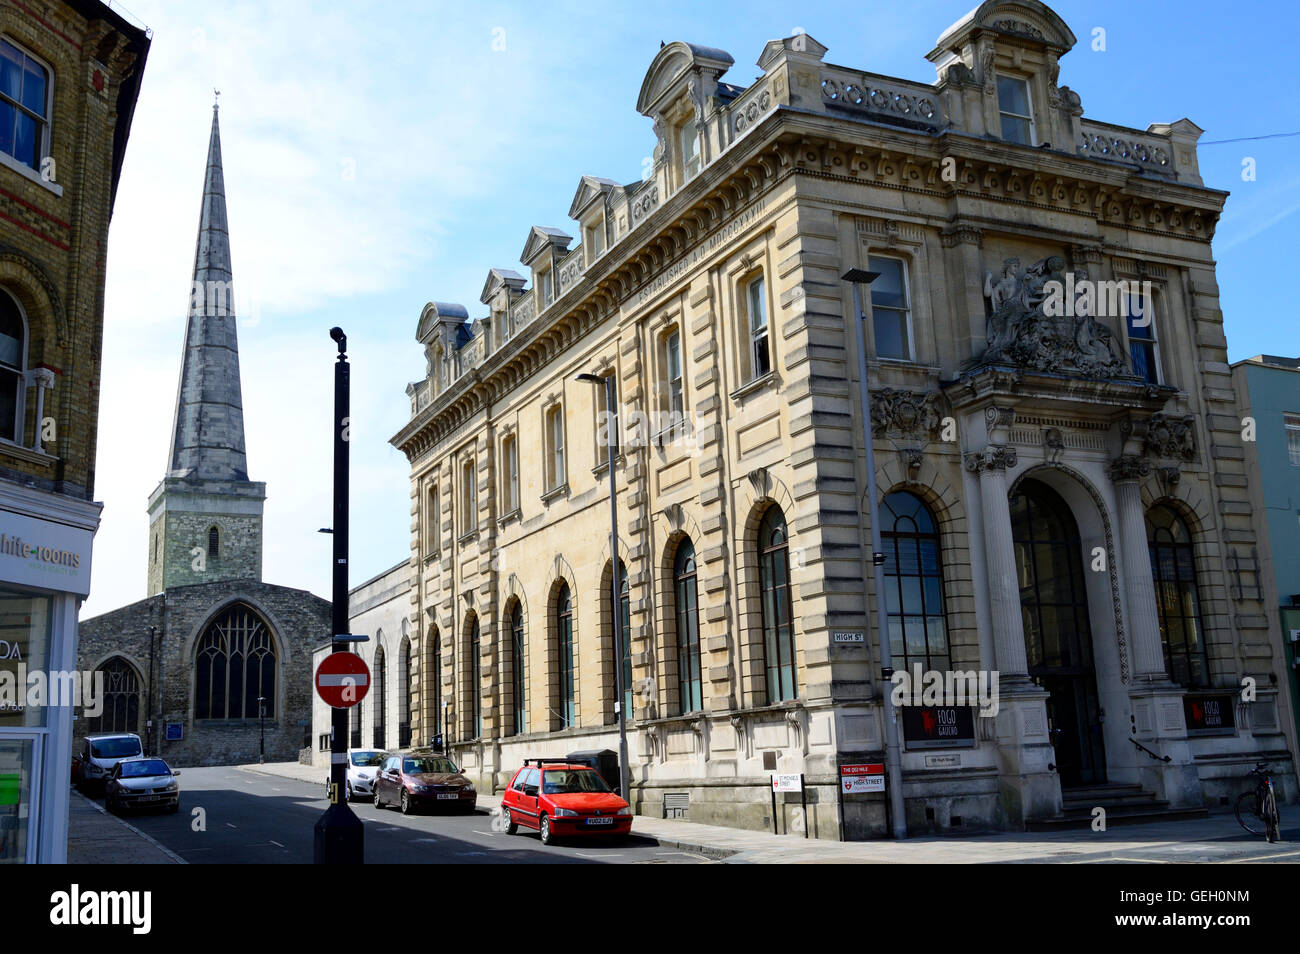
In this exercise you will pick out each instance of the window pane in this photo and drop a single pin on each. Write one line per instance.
(1015, 130)
(757, 305)
(1013, 95)
(7, 113)
(887, 291)
(11, 71)
(27, 141)
(34, 88)
(891, 333)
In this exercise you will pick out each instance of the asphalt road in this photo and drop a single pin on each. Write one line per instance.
(249, 818)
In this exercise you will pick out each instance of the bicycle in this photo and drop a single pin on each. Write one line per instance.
(1257, 810)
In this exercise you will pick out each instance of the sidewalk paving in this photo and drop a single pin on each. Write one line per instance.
(1216, 838)
(97, 838)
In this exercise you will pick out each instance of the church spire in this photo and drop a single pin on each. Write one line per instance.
(208, 429)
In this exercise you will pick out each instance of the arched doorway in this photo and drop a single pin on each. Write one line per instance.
(1058, 635)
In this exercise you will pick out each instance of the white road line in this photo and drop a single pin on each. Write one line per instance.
(228, 825)
(275, 789)
(477, 832)
(1258, 858)
(607, 854)
(277, 844)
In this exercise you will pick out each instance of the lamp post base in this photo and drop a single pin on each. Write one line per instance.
(340, 837)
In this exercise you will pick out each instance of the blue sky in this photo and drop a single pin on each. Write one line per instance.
(381, 156)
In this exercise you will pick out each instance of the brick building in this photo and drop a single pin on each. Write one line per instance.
(217, 660)
(1063, 497)
(70, 74)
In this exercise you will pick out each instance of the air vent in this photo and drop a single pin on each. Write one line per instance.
(677, 804)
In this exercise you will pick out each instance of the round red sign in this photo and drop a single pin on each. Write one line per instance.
(342, 679)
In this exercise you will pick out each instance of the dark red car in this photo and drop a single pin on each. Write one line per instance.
(560, 799)
(422, 778)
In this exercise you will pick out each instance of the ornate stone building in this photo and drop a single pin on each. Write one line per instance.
(1063, 496)
(214, 665)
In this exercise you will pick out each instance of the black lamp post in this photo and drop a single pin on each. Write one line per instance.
(339, 837)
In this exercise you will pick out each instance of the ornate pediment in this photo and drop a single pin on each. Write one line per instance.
(1023, 333)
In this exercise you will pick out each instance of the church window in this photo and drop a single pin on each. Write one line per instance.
(235, 666)
(214, 542)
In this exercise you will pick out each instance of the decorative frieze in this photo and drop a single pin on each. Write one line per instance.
(1128, 467)
(994, 457)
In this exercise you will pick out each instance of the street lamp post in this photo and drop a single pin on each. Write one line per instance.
(446, 729)
(339, 837)
(261, 728)
(858, 277)
(611, 428)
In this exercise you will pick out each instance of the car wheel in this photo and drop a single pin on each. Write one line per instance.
(111, 804)
(511, 826)
(547, 837)
(378, 802)
(347, 789)
(407, 807)
(173, 808)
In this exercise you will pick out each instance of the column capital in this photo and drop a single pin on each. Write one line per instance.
(962, 235)
(1128, 467)
(995, 457)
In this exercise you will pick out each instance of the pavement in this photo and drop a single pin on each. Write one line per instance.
(97, 838)
(1216, 838)
(256, 809)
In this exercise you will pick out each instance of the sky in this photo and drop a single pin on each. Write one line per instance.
(381, 156)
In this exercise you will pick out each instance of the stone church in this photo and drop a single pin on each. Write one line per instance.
(213, 660)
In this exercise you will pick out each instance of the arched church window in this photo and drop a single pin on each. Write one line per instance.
(235, 664)
(121, 695)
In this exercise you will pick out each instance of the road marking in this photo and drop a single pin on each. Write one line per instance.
(607, 854)
(277, 844)
(274, 789)
(1257, 858)
(228, 825)
(1196, 848)
(477, 832)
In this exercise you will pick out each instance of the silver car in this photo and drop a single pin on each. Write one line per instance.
(142, 782)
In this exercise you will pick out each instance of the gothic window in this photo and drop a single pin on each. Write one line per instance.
(890, 311)
(1173, 569)
(686, 604)
(13, 363)
(121, 706)
(1014, 110)
(214, 542)
(777, 615)
(24, 105)
(564, 646)
(517, 664)
(913, 584)
(760, 352)
(235, 664)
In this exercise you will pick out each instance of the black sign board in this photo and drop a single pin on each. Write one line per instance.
(1210, 715)
(938, 727)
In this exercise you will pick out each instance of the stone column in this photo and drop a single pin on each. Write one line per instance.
(1144, 620)
(1004, 589)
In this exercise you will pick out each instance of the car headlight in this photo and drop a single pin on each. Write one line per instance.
(172, 786)
(625, 810)
(469, 787)
(564, 813)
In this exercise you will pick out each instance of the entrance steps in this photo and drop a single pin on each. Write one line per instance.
(1125, 804)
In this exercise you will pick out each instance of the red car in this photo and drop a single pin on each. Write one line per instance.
(560, 799)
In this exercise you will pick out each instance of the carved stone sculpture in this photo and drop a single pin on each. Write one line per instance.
(906, 413)
(1171, 437)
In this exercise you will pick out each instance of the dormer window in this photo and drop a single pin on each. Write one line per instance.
(548, 287)
(1014, 110)
(593, 239)
(688, 138)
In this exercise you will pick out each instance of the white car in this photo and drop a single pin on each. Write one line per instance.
(363, 766)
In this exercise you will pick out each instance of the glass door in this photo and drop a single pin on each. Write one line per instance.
(20, 796)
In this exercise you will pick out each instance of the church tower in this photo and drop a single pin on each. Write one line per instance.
(205, 516)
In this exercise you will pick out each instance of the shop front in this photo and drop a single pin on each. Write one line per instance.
(45, 548)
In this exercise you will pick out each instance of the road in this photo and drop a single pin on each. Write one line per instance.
(249, 818)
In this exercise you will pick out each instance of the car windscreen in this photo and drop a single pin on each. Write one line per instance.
(561, 781)
(145, 767)
(419, 766)
(367, 758)
(114, 748)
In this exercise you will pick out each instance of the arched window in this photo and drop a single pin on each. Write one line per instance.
(121, 706)
(13, 364)
(235, 665)
(517, 665)
(778, 624)
(380, 735)
(214, 542)
(405, 690)
(564, 647)
(475, 680)
(686, 603)
(354, 726)
(1173, 567)
(913, 584)
(434, 683)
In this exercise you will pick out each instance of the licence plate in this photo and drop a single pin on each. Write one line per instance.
(448, 796)
(600, 821)
(148, 798)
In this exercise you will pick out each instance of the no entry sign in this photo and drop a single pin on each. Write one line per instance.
(342, 680)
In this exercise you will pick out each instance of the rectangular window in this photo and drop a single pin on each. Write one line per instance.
(760, 355)
(1142, 348)
(468, 498)
(555, 447)
(673, 373)
(26, 629)
(510, 453)
(24, 86)
(606, 424)
(890, 312)
(595, 239)
(689, 137)
(431, 518)
(548, 288)
(1014, 110)
(1292, 422)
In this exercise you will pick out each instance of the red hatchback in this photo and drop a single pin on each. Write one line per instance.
(560, 799)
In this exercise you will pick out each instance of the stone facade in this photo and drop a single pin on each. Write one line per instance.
(713, 292)
(297, 621)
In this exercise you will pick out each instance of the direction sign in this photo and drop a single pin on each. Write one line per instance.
(342, 680)
(855, 779)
